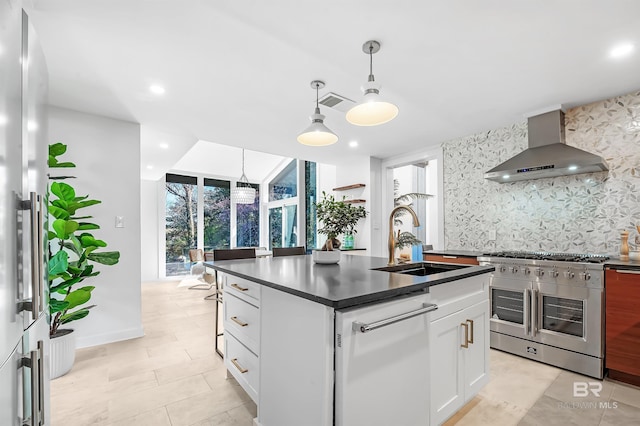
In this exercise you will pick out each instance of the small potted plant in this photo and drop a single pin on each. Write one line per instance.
(337, 218)
(73, 251)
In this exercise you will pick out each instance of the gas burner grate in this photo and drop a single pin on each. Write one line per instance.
(543, 255)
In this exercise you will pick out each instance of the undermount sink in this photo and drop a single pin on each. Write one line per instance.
(420, 268)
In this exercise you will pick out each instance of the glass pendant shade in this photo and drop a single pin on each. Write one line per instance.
(243, 193)
(372, 110)
(317, 134)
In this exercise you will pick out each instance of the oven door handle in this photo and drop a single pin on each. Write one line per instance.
(534, 313)
(527, 310)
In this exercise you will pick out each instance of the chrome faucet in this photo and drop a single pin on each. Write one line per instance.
(392, 241)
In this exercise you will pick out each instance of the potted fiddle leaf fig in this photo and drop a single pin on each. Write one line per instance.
(337, 217)
(73, 253)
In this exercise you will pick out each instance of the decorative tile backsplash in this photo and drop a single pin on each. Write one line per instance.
(581, 213)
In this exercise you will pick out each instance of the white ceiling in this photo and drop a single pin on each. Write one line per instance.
(238, 72)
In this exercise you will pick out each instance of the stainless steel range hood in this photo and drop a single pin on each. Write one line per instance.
(547, 155)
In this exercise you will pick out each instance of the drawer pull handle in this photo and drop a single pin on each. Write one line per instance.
(240, 323)
(627, 271)
(466, 335)
(242, 370)
(449, 257)
(471, 330)
(234, 285)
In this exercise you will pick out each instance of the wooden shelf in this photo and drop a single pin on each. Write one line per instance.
(345, 188)
(355, 201)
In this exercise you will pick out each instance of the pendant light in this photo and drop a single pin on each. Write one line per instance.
(373, 110)
(243, 193)
(317, 134)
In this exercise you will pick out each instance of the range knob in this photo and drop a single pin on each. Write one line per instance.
(553, 273)
(500, 268)
(540, 272)
(569, 274)
(513, 269)
(526, 271)
(585, 276)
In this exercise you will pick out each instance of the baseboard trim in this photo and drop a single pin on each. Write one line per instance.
(101, 339)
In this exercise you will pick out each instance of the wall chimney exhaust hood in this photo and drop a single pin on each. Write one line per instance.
(547, 154)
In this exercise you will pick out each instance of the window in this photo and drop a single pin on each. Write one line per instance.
(310, 194)
(285, 185)
(181, 222)
(248, 222)
(217, 214)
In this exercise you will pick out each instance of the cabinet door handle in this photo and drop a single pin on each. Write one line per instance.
(526, 301)
(364, 328)
(241, 369)
(34, 362)
(471, 330)
(466, 335)
(240, 323)
(449, 257)
(236, 286)
(534, 312)
(627, 271)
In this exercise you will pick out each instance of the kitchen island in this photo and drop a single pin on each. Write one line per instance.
(299, 336)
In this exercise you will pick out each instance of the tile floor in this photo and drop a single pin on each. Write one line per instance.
(172, 377)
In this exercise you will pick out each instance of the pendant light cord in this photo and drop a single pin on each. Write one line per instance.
(371, 78)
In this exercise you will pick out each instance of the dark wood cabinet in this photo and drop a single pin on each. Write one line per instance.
(622, 295)
(441, 258)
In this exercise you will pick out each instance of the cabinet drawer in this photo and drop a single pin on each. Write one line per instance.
(441, 258)
(244, 289)
(242, 364)
(456, 295)
(243, 320)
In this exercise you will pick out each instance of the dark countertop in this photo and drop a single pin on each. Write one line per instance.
(460, 253)
(616, 263)
(348, 283)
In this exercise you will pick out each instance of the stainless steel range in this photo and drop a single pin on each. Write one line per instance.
(549, 307)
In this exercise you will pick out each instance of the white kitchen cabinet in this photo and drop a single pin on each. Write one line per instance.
(459, 350)
(241, 313)
(387, 366)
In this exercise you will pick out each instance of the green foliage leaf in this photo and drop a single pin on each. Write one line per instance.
(106, 257)
(58, 263)
(56, 149)
(76, 315)
(337, 217)
(86, 226)
(64, 228)
(63, 191)
(57, 305)
(78, 297)
(64, 285)
(87, 240)
(58, 213)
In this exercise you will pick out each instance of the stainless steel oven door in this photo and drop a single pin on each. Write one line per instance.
(569, 317)
(510, 306)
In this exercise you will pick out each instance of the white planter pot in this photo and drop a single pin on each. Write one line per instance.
(326, 257)
(63, 353)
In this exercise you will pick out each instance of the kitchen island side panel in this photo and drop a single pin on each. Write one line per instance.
(296, 358)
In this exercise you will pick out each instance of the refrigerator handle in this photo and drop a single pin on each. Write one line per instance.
(33, 305)
(35, 363)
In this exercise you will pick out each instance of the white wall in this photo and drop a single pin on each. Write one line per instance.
(149, 230)
(107, 156)
(359, 171)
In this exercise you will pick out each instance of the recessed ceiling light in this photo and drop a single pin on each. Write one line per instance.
(32, 126)
(621, 50)
(505, 176)
(156, 89)
(3, 120)
(572, 168)
(149, 167)
(164, 145)
(353, 144)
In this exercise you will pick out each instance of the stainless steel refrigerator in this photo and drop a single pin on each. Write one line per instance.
(24, 329)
